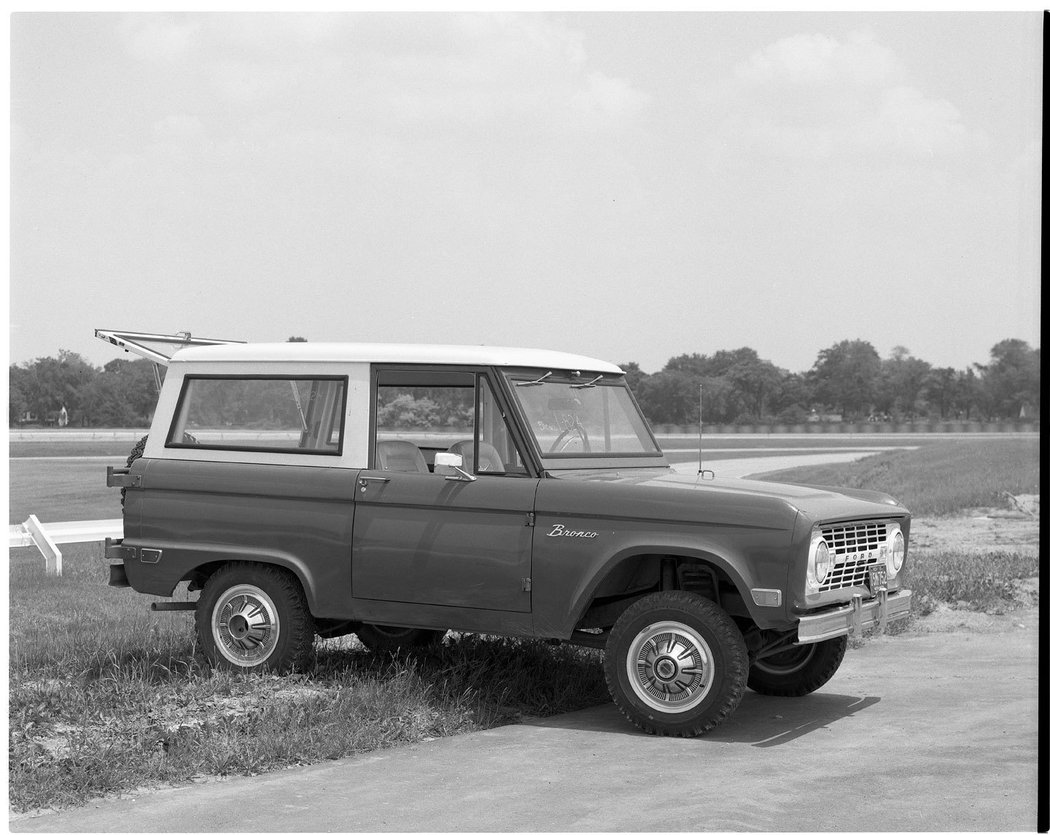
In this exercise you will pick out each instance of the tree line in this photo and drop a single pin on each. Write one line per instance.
(849, 381)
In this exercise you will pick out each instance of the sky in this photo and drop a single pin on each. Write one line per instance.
(628, 186)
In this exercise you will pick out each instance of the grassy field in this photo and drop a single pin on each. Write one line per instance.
(938, 478)
(107, 697)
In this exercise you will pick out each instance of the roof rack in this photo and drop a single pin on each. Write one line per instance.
(157, 347)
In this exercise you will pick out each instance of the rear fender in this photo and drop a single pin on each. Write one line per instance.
(179, 563)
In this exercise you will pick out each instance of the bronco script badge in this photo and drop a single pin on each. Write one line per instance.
(560, 530)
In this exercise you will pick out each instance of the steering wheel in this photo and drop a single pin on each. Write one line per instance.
(572, 434)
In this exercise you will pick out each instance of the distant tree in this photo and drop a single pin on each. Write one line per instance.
(635, 376)
(900, 385)
(17, 401)
(846, 375)
(103, 403)
(755, 380)
(793, 414)
(738, 384)
(670, 397)
(52, 383)
(1011, 380)
(794, 390)
(135, 384)
(942, 391)
(970, 395)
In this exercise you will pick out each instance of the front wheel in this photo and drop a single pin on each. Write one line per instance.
(676, 664)
(799, 670)
(255, 618)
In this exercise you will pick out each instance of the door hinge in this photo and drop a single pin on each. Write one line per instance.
(530, 520)
(526, 584)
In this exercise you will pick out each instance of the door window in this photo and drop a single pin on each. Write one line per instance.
(442, 411)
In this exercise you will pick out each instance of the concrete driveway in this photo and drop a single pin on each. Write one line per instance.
(918, 732)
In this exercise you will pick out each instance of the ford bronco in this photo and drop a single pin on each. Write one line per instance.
(399, 491)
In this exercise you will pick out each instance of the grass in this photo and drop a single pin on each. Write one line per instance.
(937, 479)
(991, 583)
(106, 697)
(59, 448)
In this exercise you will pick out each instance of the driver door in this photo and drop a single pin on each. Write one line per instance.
(445, 538)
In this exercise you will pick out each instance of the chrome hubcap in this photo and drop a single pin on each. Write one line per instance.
(245, 626)
(670, 667)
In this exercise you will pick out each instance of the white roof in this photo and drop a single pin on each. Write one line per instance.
(393, 353)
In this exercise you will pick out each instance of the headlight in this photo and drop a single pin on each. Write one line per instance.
(822, 561)
(897, 554)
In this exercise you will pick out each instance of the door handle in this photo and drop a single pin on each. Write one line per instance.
(362, 481)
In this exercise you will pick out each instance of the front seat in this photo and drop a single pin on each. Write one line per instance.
(489, 460)
(400, 457)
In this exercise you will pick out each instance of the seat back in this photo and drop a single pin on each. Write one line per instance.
(400, 457)
(489, 460)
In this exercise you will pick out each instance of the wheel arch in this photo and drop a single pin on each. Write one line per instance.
(204, 563)
(638, 564)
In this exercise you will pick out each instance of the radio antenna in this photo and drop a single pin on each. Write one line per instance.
(700, 435)
(701, 472)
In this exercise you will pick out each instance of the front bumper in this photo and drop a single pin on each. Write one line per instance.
(855, 616)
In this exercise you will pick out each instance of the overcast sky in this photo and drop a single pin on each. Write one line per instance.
(624, 185)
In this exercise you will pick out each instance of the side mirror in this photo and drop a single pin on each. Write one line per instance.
(446, 461)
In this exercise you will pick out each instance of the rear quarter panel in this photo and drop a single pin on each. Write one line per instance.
(199, 512)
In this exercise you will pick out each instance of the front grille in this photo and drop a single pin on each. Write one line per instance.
(855, 548)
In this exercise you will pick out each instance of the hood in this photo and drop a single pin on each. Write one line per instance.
(819, 503)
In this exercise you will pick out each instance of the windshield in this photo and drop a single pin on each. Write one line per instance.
(572, 417)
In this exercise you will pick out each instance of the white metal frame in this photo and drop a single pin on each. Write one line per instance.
(47, 537)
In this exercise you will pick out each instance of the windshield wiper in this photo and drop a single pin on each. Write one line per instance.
(537, 382)
(589, 385)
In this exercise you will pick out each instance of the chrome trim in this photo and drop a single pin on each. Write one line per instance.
(854, 617)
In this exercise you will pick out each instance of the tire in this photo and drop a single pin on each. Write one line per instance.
(393, 639)
(254, 618)
(676, 664)
(799, 670)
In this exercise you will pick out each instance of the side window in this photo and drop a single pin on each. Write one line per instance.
(421, 413)
(271, 414)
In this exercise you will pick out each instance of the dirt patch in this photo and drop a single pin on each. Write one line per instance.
(983, 531)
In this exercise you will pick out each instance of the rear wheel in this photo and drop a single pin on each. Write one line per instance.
(255, 618)
(392, 639)
(676, 664)
(799, 670)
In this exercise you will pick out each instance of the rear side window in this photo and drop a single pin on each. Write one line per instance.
(270, 414)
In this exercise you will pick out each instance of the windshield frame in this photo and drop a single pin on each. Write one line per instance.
(562, 379)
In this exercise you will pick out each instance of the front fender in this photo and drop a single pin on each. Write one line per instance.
(568, 572)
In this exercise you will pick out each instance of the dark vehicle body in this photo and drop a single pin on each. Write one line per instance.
(331, 489)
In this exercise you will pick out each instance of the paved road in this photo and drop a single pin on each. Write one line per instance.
(917, 732)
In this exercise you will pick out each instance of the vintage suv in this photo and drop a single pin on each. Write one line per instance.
(400, 491)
